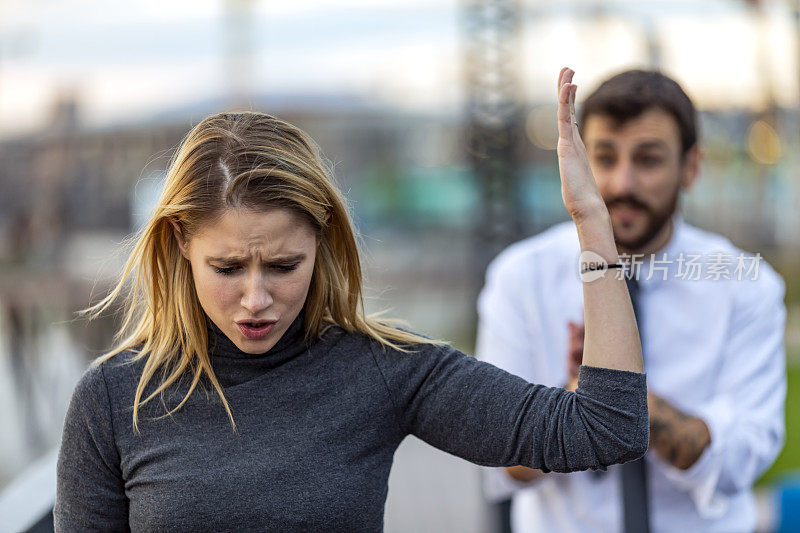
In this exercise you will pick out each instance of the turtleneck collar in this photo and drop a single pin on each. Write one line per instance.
(288, 346)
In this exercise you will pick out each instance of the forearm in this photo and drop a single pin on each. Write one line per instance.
(679, 438)
(611, 338)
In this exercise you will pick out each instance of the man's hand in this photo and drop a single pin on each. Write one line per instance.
(574, 354)
(524, 474)
(678, 438)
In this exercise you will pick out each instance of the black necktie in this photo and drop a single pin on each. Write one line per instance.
(634, 474)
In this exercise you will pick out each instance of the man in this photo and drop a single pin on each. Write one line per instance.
(710, 318)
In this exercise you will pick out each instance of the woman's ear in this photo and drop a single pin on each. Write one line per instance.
(176, 229)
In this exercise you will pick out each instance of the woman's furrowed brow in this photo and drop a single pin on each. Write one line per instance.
(243, 259)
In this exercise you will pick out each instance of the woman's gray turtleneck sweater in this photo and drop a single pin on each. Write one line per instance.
(318, 426)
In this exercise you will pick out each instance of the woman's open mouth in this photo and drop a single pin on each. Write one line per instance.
(255, 329)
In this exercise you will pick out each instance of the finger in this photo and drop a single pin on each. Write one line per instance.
(564, 78)
(573, 91)
(576, 348)
(565, 121)
(568, 75)
(576, 137)
(561, 78)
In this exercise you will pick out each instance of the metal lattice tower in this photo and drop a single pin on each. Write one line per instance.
(494, 118)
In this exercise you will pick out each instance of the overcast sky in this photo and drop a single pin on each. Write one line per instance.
(127, 59)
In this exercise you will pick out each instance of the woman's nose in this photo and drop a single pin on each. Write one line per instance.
(257, 296)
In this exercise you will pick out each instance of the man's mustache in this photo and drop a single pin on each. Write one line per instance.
(627, 201)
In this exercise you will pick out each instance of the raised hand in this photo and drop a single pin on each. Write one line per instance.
(611, 339)
(578, 188)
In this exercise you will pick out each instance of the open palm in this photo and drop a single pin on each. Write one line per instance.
(578, 188)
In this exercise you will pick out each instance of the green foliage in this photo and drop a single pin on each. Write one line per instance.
(789, 459)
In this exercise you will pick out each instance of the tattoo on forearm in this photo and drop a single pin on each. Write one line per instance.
(678, 437)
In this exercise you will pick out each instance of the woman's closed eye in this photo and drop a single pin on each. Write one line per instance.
(279, 268)
(226, 270)
(285, 268)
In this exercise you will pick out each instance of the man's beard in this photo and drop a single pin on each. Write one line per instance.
(656, 219)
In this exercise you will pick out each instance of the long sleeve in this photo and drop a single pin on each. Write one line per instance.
(90, 494)
(745, 414)
(490, 417)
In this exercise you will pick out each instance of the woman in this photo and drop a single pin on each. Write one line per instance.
(248, 390)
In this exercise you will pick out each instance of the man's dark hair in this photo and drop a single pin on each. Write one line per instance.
(629, 94)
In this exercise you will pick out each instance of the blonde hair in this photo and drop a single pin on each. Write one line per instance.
(234, 160)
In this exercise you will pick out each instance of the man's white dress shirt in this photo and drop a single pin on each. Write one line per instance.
(712, 333)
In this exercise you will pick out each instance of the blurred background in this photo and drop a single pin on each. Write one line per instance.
(438, 119)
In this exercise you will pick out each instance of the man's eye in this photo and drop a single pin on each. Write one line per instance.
(605, 160)
(649, 161)
(226, 270)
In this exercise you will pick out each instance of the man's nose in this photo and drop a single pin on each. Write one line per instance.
(623, 179)
(258, 295)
